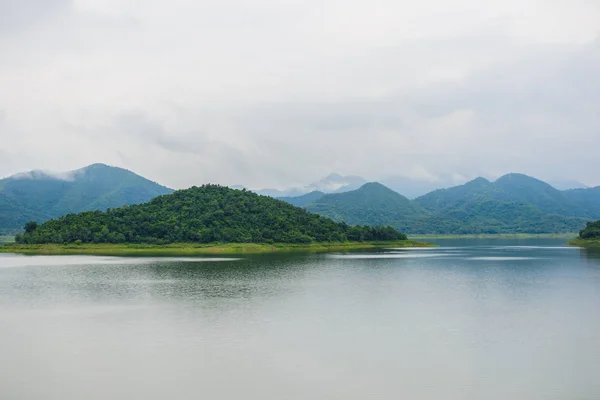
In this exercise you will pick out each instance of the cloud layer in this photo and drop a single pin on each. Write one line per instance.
(268, 93)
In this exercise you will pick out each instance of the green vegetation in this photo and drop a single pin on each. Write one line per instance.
(588, 237)
(206, 214)
(371, 204)
(514, 204)
(190, 249)
(588, 243)
(591, 231)
(36, 196)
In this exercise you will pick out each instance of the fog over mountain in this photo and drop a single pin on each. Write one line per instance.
(332, 183)
(409, 187)
(273, 94)
(42, 195)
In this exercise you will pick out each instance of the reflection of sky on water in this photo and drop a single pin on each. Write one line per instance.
(337, 325)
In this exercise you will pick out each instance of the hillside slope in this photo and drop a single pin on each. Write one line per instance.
(586, 199)
(41, 196)
(204, 214)
(514, 203)
(371, 204)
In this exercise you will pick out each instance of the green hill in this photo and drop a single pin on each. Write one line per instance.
(41, 196)
(514, 203)
(204, 214)
(525, 189)
(517, 188)
(371, 204)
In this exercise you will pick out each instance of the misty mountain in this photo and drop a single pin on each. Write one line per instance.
(333, 183)
(510, 188)
(371, 204)
(515, 203)
(587, 199)
(40, 196)
(568, 185)
(413, 188)
(336, 183)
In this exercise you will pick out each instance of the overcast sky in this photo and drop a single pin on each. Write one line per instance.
(276, 93)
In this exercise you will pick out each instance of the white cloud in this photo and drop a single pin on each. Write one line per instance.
(269, 93)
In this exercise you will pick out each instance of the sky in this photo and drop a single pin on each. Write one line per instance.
(276, 93)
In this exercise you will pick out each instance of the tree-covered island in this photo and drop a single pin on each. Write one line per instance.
(199, 217)
(588, 237)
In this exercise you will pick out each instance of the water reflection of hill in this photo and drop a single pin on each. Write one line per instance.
(591, 255)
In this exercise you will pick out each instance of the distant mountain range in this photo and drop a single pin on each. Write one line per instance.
(409, 187)
(371, 204)
(40, 196)
(515, 203)
(511, 204)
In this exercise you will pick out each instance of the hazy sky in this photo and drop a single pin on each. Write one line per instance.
(272, 93)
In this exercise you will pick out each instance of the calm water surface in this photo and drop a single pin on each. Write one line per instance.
(472, 319)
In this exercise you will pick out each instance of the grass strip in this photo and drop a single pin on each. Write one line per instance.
(177, 249)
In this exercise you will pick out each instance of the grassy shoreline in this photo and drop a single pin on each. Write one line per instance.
(587, 243)
(200, 249)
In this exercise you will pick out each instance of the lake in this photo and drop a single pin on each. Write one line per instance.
(471, 319)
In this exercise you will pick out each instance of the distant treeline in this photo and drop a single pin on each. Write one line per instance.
(206, 214)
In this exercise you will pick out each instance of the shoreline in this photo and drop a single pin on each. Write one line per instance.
(585, 243)
(177, 249)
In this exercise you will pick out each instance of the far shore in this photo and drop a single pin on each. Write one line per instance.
(497, 236)
(176, 249)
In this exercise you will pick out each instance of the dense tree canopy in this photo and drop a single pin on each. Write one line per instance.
(591, 231)
(206, 214)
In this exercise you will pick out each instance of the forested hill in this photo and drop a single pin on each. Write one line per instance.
(206, 214)
(40, 196)
(371, 204)
(515, 203)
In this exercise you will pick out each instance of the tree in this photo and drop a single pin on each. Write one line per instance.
(30, 226)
